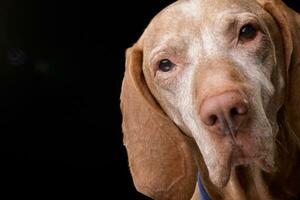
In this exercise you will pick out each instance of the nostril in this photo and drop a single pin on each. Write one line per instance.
(238, 110)
(234, 111)
(212, 119)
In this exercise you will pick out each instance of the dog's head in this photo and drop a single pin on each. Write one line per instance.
(214, 71)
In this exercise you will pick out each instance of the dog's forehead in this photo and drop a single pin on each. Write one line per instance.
(188, 17)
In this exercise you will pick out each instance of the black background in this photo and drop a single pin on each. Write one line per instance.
(62, 64)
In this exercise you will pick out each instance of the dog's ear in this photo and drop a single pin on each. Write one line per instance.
(160, 156)
(288, 22)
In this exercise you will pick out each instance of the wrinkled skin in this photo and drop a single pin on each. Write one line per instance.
(179, 121)
(202, 39)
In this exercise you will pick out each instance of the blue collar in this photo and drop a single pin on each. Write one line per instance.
(203, 193)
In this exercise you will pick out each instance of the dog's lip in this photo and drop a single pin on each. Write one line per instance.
(235, 158)
(240, 157)
(239, 152)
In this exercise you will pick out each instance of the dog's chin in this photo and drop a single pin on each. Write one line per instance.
(220, 175)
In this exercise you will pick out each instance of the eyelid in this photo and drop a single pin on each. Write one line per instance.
(252, 23)
(237, 20)
(251, 20)
(157, 56)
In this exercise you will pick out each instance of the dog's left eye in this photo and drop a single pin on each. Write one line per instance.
(165, 65)
(247, 32)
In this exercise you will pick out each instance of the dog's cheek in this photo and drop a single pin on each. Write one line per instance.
(263, 133)
(176, 101)
(217, 156)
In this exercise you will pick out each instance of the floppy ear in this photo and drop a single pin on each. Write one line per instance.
(288, 22)
(160, 156)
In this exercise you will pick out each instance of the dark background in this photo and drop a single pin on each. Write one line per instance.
(61, 66)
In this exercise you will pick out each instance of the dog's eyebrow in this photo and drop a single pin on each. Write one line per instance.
(168, 45)
(155, 51)
(161, 46)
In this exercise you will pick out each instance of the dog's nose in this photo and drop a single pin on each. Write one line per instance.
(224, 113)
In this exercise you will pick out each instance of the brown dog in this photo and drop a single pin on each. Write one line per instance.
(213, 87)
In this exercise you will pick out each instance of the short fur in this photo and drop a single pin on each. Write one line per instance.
(166, 141)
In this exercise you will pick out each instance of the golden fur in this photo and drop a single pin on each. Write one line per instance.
(164, 146)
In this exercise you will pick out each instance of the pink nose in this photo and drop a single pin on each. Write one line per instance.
(224, 113)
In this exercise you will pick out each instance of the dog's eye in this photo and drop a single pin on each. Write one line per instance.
(247, 32)
(165, 65)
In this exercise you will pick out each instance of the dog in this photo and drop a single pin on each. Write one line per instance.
(210, 95)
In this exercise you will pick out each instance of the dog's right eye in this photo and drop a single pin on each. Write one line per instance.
(247, 32)
(165, 65)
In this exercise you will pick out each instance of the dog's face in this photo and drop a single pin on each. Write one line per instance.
(215, 67)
